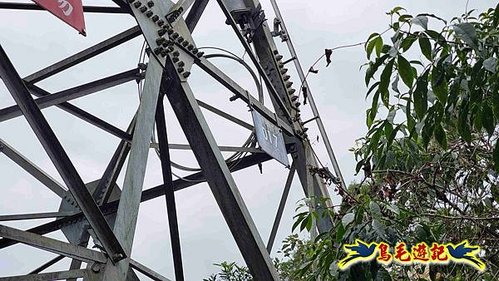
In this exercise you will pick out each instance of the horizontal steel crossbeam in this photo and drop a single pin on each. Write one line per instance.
(59, 275)
(149, 194)
(72, 93)
(222, 148)
(52, 245)
(83, 55)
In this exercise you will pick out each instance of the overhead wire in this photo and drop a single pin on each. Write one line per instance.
(332, 49)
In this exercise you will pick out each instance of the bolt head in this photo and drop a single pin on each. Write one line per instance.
(95, 267)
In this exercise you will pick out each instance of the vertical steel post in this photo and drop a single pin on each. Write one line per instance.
(219, 177)
(164, 155)
(280, 209)
(313, 106)
(128, 209)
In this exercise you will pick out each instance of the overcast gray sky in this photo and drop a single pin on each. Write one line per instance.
(35, 39)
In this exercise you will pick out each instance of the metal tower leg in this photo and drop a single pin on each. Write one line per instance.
(128, 209)
(168, 184)
(265, 57)
(219, 177)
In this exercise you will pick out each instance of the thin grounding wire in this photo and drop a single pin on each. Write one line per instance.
(246, 65)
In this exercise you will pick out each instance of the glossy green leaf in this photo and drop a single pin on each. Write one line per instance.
(372, 88)
(370, 47)
(440, 136)
(466, 31)
(427, 131)
(394, 208)
(375, 209)
(397, 9)
(434, 16)
(347, 219)
(420, 96)
(425, 45)
(373, 68)
(359, 166)
(379, 228)
(388, 129)
(421, 21)
(439, 83)
(487, 118)
(477, 118)
(490, 64)
(393, 134)
(405, 71)
(385, 81)
(378, 45)
(373, 110)
(340, 232)
(438, 37)
(463, 126)
(375, 140)
(395, 85)
(407, 42)
(310, 220)
(405, 18)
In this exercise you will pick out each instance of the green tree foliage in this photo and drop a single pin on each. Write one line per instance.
(230, 272)
(430, 157)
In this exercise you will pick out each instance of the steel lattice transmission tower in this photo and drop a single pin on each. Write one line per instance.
(108, 213)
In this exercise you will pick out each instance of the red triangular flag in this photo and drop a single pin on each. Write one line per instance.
(69, 11)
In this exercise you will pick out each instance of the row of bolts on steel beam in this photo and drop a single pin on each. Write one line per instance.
(166, 46)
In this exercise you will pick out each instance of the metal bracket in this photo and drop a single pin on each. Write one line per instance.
(278, 31)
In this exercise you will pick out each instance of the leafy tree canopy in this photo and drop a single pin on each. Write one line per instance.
(430, 157)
